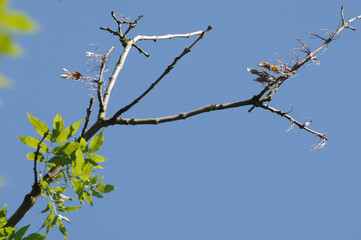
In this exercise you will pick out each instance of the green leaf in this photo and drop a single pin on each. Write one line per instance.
(31, 156)
(68, 209)
(95, 165)
(47, 208)
(60, 189)
(62, 228)
(96, 194)
(51, 224)
(87, 197)
(96, 142)
(78, 163)
(33, 142)
(94, 179)
(83, 145)
(106, 188)
(6, 232)
(78, 188)
(100, 182)
(48, 218)
(97, 158)
(35, 236)
(39, 126)
(3, 211)
(64, 218)
(58, 125)
(86, 171)
(68, 132)
(66, 148)
(60, 160)
(17, 21)
(20, 233)
(7, 46)
(66, 197)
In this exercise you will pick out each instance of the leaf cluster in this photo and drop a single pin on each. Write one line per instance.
(79, 161)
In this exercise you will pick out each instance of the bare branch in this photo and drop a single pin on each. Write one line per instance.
(166, 71)
(113, 78)
(293, 121)
(180, 116)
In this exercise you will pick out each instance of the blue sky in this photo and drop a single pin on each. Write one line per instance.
(222, 175)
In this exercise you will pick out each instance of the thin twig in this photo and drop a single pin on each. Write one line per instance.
(292, 120)
(166, 71)
(40, 144)
(88, 113)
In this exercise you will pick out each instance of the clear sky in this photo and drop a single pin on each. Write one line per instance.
(222, 175)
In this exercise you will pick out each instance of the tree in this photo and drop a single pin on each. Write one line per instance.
(73, 161)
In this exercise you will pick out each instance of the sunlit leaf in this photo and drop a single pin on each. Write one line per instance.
(78, 187)
(3, 211)
(62, 228)
(58, 125)
(48, 218)
(64, 218)
(68, 209)
(35, 236)
(17, 21)
(39, 126)
(47, 208)
(83, 145)
(86, 171)
(96, 194)
(60, 160)
(96, 142)
(20, 233)
(100, 181)
(106, 188)
(51, 224)
(88, 198)
(66, 148)
(78, 163)
(33, 142)
(31, 156)
(97, 158)
(68, 132)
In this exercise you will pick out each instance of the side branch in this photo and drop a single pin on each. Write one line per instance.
(166, 71)
(310, 55)
(180, 116)
(293, 121)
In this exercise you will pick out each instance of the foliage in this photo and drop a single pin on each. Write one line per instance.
(11, 22)
(79, 161)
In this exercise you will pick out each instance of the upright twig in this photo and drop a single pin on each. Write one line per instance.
(166, 71)
(40, 144)
(87, 119)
